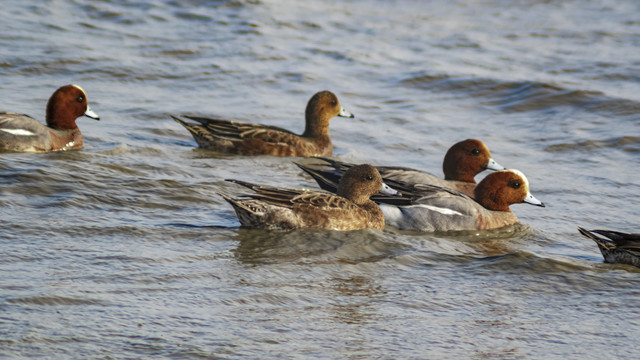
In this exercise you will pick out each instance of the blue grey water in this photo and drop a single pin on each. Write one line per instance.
(125, 250)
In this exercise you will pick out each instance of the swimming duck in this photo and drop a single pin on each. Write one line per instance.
(616, 247)
(22, 133)
(256, 139)
(434, 208)
(285, 209)
(462, 162)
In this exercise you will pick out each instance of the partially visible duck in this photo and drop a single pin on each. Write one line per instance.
(616, 247)
(462, 162)
(255, 139)
(22, 133)
(285, 209)
(433, 208)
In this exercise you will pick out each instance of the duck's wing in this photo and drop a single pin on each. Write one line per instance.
(234, 131)
(295, 197)
(390, 174)
(326, 179)
(409, 175)
(20, 124)
(324, 201)
(269, 194)
(426, 194)
(391, 171)
(23, 133)
(430, 208)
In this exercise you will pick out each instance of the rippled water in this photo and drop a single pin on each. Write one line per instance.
(125, 250)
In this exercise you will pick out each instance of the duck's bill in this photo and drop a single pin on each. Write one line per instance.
(387, 190)
(90, 114)
(533, 201)
(493, 165)
(345, 113)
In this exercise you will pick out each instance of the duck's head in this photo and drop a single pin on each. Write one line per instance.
(503, 188)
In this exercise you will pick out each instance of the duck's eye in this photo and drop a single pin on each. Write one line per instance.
(514, 184)
(80, 99)
(369, 177)
(475, 152)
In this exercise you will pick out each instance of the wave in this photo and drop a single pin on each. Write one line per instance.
(53, 300)
(525, 96)
(630, 144)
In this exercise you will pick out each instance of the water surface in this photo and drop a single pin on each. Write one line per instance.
(125, 250)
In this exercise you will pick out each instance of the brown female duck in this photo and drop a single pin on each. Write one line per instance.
(285, 209)
(256, 139)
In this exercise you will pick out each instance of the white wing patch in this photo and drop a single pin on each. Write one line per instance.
(19, 132)
(444, 211)
(394, 212)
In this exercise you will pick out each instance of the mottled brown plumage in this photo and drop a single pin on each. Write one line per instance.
(256, 139)
(285, 209)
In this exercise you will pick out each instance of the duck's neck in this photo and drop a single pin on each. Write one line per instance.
(464, 186)
(316, 128)
(454, 173)
(59, 118)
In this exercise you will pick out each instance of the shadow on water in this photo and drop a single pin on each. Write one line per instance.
(257, 247)
(311, 245)
(468, 243)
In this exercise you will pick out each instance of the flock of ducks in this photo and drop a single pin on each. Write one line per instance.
(353, 196)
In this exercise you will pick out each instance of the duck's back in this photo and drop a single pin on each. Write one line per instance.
(436, 214)
(307, 209)
(282, 143)
(440, 209)
(337, 213)
(411, 176)
(253, 139)
(23, 133)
